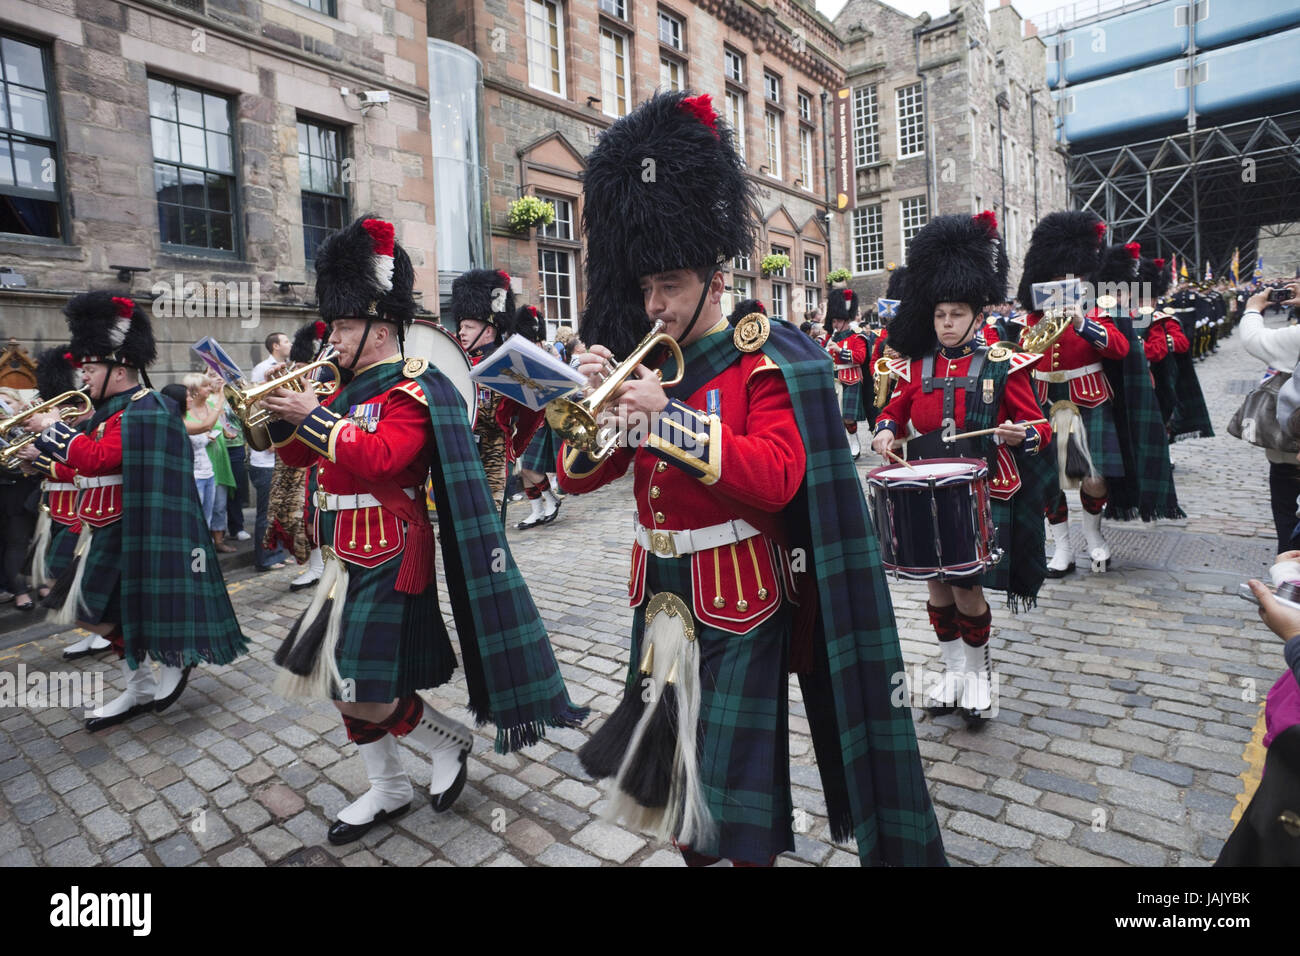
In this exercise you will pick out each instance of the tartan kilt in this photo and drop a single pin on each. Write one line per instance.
(101, 592)
(542, 452)
(63, 542)
(849, 396)
(374, 650)
(744, 731)
(1103, 439)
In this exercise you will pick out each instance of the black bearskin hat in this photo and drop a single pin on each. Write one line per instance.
(530, 324)
(954, 258)
(56, 372)
(307, 341)
(841, 304)
(106, 327)
(1118, 265)
(897, 279)
(744, 307)
(664, 189)
(476, 295)
(1158, 273)
(1063, 244)
(361, 272)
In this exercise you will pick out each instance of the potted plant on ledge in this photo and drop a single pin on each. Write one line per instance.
(838, 278)
(774, 263)
(528, 211)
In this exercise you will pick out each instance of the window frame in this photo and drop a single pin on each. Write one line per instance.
(772, 125)
(915, 115)
(620, 11)
(332, 5)
(736, 117)
(771, 81)
(546, 237)
(55, 143)
(626, 99)
(857, 235)
(804, 99)
(236, 207)
(807, 158)
(904, 204)
(345, 195)
(866, 136)
(729, 54)
(669, 63)
(781, 251)
(680, 45)
(529, 19)
(811, 258)
(780, 301)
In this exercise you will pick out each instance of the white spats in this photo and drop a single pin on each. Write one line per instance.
(390, 788)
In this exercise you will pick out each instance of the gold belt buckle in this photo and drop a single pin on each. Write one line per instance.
(321, 500)
(661, 543)
(1056, 378)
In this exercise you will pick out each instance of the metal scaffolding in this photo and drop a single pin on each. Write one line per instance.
(1198, 194)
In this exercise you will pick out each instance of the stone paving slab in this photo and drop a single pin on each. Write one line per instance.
(1126, 704)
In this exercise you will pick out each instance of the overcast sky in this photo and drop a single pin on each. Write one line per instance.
(936, 8)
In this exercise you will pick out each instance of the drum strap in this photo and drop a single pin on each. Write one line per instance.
(968, 382)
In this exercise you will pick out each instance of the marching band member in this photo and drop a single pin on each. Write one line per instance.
(948, 381)
(483, 308)
(1168, 353)
(374, 634)
(145, 575)
(753, 552)
(530, 441)
(848, 351)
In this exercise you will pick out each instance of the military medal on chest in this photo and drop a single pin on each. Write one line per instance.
(365, 417)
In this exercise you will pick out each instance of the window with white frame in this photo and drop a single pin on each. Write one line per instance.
(546, 46)
(812, 299)
(736, 117)
(613, 72)
(670, 30)
(773, 128)
(30, 185)
(811, 267)
(779, 299)
(555, 276)
(912, 212)
(615, 8)
(780, 251)
(742, 287)
(672, 74)
(866, 127)
(806, 167)
(1013, 232)
(733, 65)
(868, 239)
(911, 120)
(771, 87)
(562, 226)
(805, 107)
(742, 263)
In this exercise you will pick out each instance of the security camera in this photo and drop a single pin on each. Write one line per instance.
(372, 97)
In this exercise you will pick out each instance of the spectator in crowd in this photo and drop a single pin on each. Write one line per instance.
(563, 339)
(1279, 349)
(18, 496)
(202, 422)
(261, 464)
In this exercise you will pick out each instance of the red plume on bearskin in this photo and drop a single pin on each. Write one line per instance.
(1156, 273)
(953, 258)
(664, 189)
(104, 326)
(530, 324)
(1063, 244)
(362, 267)
(842, 304)
(1118, 264)
(307, 341)
(476, 294)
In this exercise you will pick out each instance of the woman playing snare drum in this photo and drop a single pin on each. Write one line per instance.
(948, 385)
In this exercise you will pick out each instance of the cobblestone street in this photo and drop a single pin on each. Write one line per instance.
(1130, 711)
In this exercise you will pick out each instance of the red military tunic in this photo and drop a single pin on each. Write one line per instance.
(1165, 336)
(96, 461)
(848, 373)
(910, 406)
(381, 446)
(59, 490)
(752, 467)
(1076, 358)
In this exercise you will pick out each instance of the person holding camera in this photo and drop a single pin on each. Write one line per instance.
(1279, 349)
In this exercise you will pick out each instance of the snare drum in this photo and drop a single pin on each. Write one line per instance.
(934, 518)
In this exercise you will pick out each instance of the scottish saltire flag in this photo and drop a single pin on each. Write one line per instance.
(217, 359)
(526, 373)
(887, 308)
(1057, 296)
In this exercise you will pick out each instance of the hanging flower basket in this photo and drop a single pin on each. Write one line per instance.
(774, 263)
(837, 277)
(529, 211)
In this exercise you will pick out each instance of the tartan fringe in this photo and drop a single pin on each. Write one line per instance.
(530, 732)
(1166, 513)
(1021, 602)
(1194, 433)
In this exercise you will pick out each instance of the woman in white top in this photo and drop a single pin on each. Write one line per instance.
(1279, 348)
(201, 424)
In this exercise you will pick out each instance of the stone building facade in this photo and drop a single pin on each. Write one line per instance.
(558, 72)
(208, 142)
(949, 115)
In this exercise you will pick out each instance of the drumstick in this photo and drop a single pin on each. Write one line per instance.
(900, 460)
(990, 431)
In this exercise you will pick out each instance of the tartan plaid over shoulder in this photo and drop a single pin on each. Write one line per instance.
(510, 668)
(175, 607)
(1147, 489)
(865, 745)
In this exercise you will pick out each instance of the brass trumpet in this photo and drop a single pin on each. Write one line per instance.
(575, 422)
(883, 380)
(76, 404)
(244, 399)
(1041, 337)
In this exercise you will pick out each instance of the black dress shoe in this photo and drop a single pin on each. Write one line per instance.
(77, 655)
(341, 833)
(305, 585)
(554, 514)
(1054, 573)
(444, 800)
(975, 719)
(102, 723)
(940, 710)
(161, 704)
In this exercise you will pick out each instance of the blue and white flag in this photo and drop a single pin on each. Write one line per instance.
(217, 359)
(526, 373)
(887, 308)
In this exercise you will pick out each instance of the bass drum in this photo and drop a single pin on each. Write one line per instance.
(443, 351)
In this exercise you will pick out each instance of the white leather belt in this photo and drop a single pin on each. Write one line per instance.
(327, 502)
(1067, 375)
(673, 544)
(103, 481)
(58, 486)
